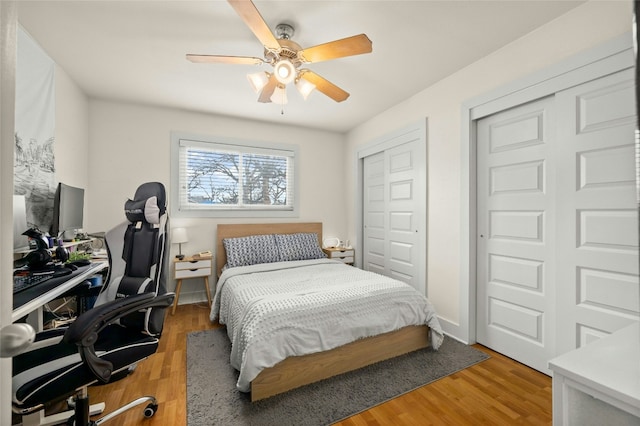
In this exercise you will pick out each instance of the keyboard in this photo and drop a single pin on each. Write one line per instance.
(25, 282)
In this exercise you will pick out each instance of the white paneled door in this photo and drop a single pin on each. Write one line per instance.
(598, 221)
(375, 223)
(557, 255)
(393, 213)
(516, 226)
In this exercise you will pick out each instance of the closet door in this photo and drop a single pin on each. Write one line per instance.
(516, 232)
(375, 223)
(557, 253)
(394, 224)
(598, 291)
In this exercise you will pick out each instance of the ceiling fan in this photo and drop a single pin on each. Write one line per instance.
(287, 58)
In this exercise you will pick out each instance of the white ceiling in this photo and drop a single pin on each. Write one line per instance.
(134, 51)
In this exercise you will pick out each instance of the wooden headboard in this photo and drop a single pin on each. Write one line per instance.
(246, 229)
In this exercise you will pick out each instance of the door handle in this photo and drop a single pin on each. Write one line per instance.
(15, 338)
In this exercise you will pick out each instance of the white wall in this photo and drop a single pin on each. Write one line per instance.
(71, 147)
(130, 145)
(586, 26)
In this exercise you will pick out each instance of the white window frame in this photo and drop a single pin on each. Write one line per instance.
(176, 208)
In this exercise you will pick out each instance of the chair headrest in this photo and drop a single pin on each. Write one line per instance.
(148, 204)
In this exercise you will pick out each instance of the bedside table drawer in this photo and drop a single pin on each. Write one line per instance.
(205, 263)
(191, 267)
(340, 254)
(343, 255)
(192, 273)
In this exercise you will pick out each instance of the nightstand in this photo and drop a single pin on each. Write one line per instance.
(345, 255)
(191, 267)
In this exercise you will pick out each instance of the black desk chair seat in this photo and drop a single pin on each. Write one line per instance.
(121, 330)
(91, 350)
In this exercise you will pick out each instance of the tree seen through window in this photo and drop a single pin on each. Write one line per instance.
(235, 179)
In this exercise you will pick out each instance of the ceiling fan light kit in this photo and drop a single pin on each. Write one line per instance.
(304, 87)
(279, 95)
(258, 80)
(285, 71)
(286, 57)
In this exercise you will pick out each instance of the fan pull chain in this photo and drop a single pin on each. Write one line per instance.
(282, 103)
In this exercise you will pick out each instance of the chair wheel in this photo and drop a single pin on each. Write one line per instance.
(150, 410)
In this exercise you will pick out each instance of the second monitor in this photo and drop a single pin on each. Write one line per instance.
(68, 211)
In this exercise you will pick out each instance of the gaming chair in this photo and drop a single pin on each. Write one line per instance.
(122, 329)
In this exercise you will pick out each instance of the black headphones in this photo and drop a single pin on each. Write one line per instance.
(41, 256)
(38, 258)
(62, 254)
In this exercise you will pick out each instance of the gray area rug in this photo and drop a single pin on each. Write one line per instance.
(212, 398)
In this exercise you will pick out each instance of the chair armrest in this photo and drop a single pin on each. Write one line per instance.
(85, 329)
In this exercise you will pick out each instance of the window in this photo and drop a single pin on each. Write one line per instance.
(230, 178)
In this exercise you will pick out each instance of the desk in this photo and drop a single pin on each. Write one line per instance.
(34, 298)
(67, 244)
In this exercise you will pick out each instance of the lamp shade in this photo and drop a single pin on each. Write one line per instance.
(258, 80)
(279, 95)
(304, 87)
(179, 235)
(284, 71)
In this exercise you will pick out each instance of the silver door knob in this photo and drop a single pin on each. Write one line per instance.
(15, 338)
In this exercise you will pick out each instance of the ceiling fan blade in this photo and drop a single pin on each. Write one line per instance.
(267, 91)
(224, 59)
(325, 86)
(354, 45)
(252, 18)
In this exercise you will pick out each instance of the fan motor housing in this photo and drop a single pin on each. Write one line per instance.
(289, 50)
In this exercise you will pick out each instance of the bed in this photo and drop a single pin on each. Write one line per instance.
(295, 317)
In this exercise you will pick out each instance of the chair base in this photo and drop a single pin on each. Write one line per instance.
(149, 410)
(80, 415)
(39, 419)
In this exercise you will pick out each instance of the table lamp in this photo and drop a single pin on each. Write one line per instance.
(179, 236)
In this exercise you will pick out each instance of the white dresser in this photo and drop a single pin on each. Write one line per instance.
(599, 384)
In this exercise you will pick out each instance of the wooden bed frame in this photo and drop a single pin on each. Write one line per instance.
(298, 371)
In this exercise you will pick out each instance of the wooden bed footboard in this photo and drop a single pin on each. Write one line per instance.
(298, 371)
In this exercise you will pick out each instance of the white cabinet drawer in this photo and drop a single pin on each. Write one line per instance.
(341, 254)
(192, 273)
(206, 263)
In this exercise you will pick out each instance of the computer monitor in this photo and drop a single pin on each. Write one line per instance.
(68, 209)
(20, 242)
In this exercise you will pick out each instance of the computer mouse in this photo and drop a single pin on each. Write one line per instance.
(81, 262)
(71, 266)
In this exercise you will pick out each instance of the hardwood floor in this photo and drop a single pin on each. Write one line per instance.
(498, 391)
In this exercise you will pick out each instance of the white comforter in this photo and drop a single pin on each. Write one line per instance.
(276, 310)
